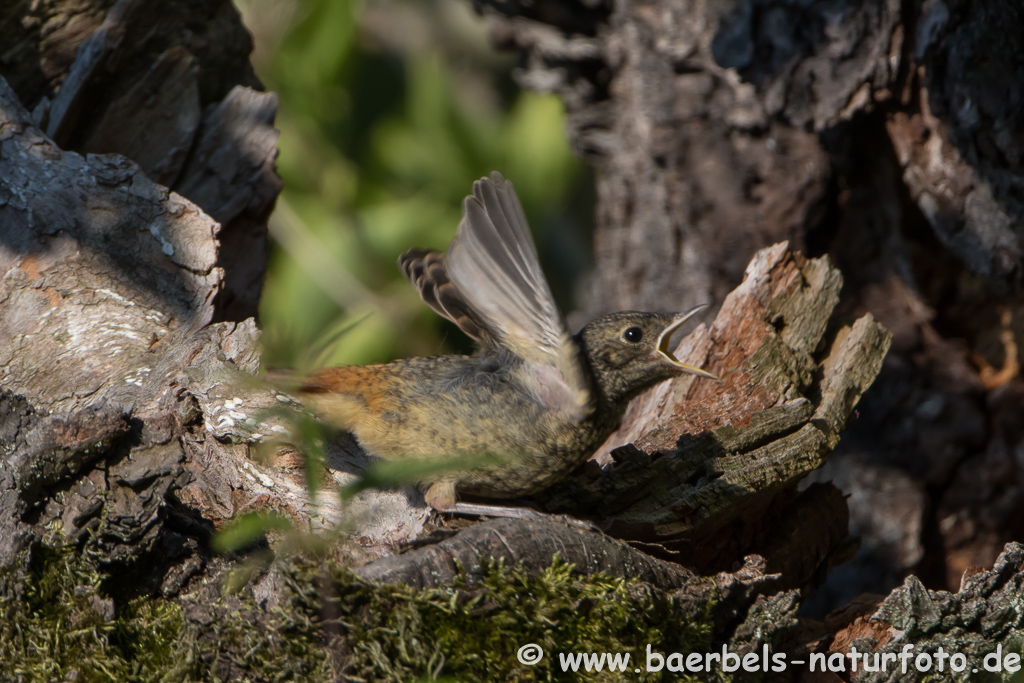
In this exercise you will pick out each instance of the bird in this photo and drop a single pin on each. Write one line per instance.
(533, 393)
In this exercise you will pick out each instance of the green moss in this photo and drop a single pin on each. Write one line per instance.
(246, 643)
(397, 633)
(58, 623)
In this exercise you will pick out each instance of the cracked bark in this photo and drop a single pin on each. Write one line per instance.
(882, 133)
(871, 134)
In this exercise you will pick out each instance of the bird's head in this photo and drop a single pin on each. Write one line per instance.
(629, 351)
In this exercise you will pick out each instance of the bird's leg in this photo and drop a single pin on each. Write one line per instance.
(440, 495)
(481, 510)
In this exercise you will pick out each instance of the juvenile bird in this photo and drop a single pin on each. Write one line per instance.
(531, 392)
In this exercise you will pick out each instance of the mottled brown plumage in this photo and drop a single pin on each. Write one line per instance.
(531, 392)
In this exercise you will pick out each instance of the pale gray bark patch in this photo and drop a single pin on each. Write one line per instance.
(171, 88)
(105, 279)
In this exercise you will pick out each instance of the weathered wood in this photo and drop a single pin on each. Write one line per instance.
(959, 158)
(706, 460)
(701, 120)
(230, 174)
(105, 277)
(531, 544)
(985, 614)
(171, 88)
(886, 134)
(113, 294)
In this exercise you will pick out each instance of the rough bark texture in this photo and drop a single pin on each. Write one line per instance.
(169, 86)
(111, 280)
(710, 471)
(133, 201)
(985, 614)
(886, 134)
(529, 542)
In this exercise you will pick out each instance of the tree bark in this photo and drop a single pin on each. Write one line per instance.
(133, 202)
(882, 133)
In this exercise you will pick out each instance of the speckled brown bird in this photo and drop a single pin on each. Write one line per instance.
(532, 392)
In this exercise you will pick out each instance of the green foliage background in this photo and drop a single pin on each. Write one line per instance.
(389, 109)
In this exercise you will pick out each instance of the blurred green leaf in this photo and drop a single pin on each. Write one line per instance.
(311, 438)
(246, 530)
(388, 112)
(384, 474)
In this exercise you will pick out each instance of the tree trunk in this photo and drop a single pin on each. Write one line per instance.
(133, 206)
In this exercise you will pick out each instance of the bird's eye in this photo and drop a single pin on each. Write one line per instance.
(633, 334)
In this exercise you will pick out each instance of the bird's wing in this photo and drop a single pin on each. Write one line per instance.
(491, 285)
(427, 272)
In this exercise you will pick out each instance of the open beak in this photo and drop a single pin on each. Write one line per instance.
(666, 335)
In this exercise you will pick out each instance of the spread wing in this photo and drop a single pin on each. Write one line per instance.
(491, 285)
(427, 273)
